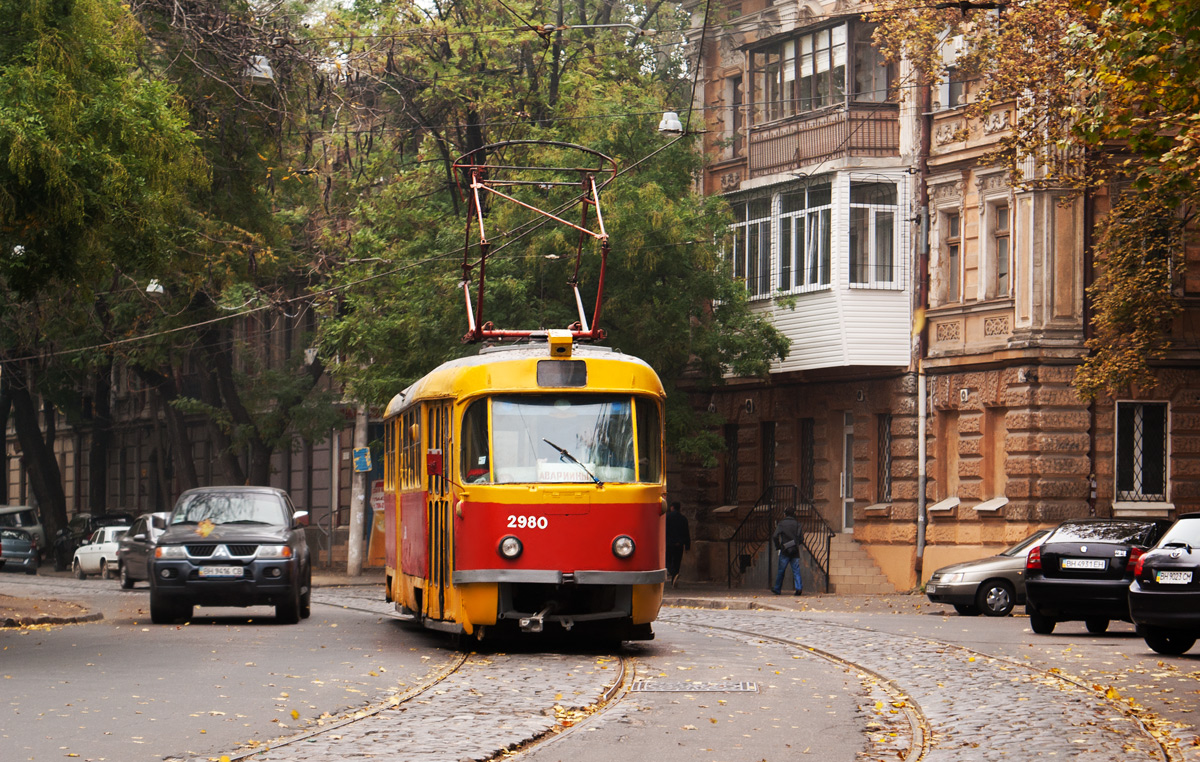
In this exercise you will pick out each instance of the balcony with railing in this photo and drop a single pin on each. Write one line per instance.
(854, 130)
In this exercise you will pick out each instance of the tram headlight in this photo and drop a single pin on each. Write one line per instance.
(623, 546)
(510, 547)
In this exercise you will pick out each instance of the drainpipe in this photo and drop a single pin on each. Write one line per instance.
(924, 98)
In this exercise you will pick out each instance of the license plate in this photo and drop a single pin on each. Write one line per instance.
(220, 571)
(1173, 577)
(1084, 563)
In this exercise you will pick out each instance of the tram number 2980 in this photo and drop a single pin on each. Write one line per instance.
(527, 522)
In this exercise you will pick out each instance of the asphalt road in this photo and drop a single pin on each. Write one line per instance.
(834, 681)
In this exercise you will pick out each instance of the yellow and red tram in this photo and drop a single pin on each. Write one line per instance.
(524, 490)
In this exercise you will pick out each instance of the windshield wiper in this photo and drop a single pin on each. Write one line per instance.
(564, 455)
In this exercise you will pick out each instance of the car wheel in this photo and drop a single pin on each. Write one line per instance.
(1040, 623)
(104, 569)
(1168, 642)
(1097, 626)
(126, 580)
(995, 598)
(965, 609)
(306, 596)
(288, 612)
(77, 569)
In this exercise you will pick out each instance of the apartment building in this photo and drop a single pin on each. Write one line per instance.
(927, 298)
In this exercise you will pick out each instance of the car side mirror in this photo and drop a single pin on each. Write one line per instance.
(300, 519)
(140, 537)
(158, 522)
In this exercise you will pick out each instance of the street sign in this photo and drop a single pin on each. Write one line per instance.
(362, 459)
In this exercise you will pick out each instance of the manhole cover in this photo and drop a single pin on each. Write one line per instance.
(668, 686)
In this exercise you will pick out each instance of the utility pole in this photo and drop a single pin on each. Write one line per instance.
(358, 498)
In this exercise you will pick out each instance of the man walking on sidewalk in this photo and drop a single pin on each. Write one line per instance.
(787, 541)
(679, 539)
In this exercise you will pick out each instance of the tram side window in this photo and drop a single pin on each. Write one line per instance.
(475, 466)
(410, 450)
(649, 428)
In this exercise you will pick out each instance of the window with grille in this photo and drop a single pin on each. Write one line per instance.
(1141, 451)
(883, 476)
(873, 233)
(750, 248)
(808, 460)
(731, 464)
(805, 237)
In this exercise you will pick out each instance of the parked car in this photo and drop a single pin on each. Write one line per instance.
(1164, 597)
(990, 585)
(99, 554)
(232, 546)
(137, 546)
(18, 550)
(1082, 571)
(79, 529)
(24, 517)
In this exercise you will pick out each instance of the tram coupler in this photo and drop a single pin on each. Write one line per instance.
(535, 623)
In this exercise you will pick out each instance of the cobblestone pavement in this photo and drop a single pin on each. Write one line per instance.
(491, 703)
(977, 707)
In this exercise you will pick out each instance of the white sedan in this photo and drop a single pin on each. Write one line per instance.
(99, 554)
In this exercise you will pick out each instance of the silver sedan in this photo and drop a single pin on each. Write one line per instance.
(990, 585)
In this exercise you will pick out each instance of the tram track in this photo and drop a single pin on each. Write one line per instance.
(925, 730)
(425, 706)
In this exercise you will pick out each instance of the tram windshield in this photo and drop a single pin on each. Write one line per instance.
(552, 439)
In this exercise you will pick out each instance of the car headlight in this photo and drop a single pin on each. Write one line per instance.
(955, 577)
(170, 551)
(510, 547)
(623, 546)
(274, 551)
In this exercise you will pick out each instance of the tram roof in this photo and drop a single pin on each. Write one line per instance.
(450, 378)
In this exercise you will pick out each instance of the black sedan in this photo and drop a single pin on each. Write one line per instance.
(1164, 598)
(1083, 569)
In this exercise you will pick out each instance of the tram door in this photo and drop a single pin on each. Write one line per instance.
(437, 446)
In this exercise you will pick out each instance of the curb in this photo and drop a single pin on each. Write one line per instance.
(27, 621)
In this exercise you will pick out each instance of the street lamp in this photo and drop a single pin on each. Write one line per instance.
(670, 124)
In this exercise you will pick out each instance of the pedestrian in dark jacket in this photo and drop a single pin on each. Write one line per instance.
(679, 539)
(787, 541)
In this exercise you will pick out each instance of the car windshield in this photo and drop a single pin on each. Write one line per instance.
(1022, 547)
(14, 534)
(229, 508)
(563, 438)
(1120, 532)
(1185, 532)
(25, 518)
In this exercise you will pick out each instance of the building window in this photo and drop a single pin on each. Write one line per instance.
(801, 74)
(873, 75)
(805, 237)
(1141, 451)
(750, 250)
(873, 233)
(731, 464)
(952, 255)
(737, 117)
(1001, 248)
(808, 460)
(883, 475)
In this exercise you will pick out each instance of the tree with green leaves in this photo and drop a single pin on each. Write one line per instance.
(1105, 94)
(466, 75)
(95, 163)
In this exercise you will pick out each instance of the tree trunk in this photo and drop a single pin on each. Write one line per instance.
(167, 390)
(100, 441)
(44, 475)
(5, 407)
